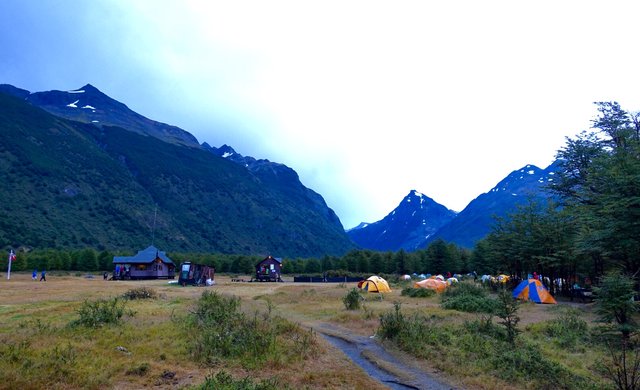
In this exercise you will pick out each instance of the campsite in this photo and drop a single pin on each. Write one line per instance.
(156, 342)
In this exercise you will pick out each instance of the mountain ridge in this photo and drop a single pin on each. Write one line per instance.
(474, 221)
(416, 218)
(65, 198)
(90, 105)
(466, 227)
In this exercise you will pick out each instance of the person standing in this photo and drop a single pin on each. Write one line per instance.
(43, 276)
(34, 274)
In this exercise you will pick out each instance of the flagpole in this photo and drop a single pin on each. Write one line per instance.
(11, 255)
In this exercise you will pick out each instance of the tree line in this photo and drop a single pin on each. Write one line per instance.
(439, 257)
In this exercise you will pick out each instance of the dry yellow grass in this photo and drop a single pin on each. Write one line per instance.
(29, 310)
(34, 316)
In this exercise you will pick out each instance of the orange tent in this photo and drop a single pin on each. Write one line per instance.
(432, 284)
(533, 290)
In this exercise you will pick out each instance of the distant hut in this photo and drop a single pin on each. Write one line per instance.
(269, 270)
(196, 274)
(149, 263)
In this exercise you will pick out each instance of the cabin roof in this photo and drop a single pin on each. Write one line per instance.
(278, 259)
(143, 257)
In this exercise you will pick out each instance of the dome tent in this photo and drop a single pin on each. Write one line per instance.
(432, 284)
(533, 290)
(374, 284)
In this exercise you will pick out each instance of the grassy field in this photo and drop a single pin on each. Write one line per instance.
(153, 344)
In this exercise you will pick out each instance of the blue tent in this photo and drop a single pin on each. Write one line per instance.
(533, 290)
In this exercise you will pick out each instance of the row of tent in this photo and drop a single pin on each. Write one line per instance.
(528, 290)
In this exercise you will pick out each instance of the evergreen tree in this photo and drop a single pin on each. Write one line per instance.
(88, 261)
(439, 256)
(312, 266)
(105, 261)
(376, 264)
(400, 260)
(327, 263)
(598, 183)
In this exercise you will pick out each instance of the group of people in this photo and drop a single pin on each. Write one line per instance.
(43, 275)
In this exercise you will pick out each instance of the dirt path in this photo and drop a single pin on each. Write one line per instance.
(379, 363)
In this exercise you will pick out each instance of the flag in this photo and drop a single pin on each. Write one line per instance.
(12, 258)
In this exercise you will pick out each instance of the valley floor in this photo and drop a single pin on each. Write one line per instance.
(145, 352)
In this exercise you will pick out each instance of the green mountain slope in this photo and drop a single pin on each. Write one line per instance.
(67, 184)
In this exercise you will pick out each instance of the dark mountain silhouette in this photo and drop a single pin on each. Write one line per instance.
(409, 227)
(83, 178)
(89, 105)
(415, 219)
(475, 221)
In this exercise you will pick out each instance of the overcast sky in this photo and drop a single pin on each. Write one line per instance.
(366, 100)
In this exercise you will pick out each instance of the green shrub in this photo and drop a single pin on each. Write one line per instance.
(392, 323)
(526, 363)
(507, 311)
(417, 292)
(139, 370)
(413, 333)
(484, 326)
(467, 297)
(469, 304)
(140, 293)
(222, 331)
(224, 381)
(463, 288)
(353, 299)
(567, 330)
(100, 312)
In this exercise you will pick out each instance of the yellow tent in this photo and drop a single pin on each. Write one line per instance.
(374, 284)
(432, 284)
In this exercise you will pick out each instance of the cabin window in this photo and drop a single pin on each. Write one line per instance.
(273, 266)
(159, 267)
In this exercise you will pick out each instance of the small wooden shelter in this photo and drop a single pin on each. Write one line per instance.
(196, 274)
(149, 263)
(269, 270)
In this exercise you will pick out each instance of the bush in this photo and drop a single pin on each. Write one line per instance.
(417, 292)
(392, 323)
(223, 331)
(224, 381)
(413, 333)
(140, 293)
(98, 313)
(353, 299)
(527, 364)
(567, 329)
(507, 311)
(468, 298)
(139, 370)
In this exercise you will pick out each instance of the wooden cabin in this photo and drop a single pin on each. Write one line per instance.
(196, 274)
(149, 263)
(269, 270)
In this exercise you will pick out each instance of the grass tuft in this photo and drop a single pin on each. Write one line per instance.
(140, 293)
(100, 312)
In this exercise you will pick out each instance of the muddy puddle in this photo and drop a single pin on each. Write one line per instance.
(380, 364)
